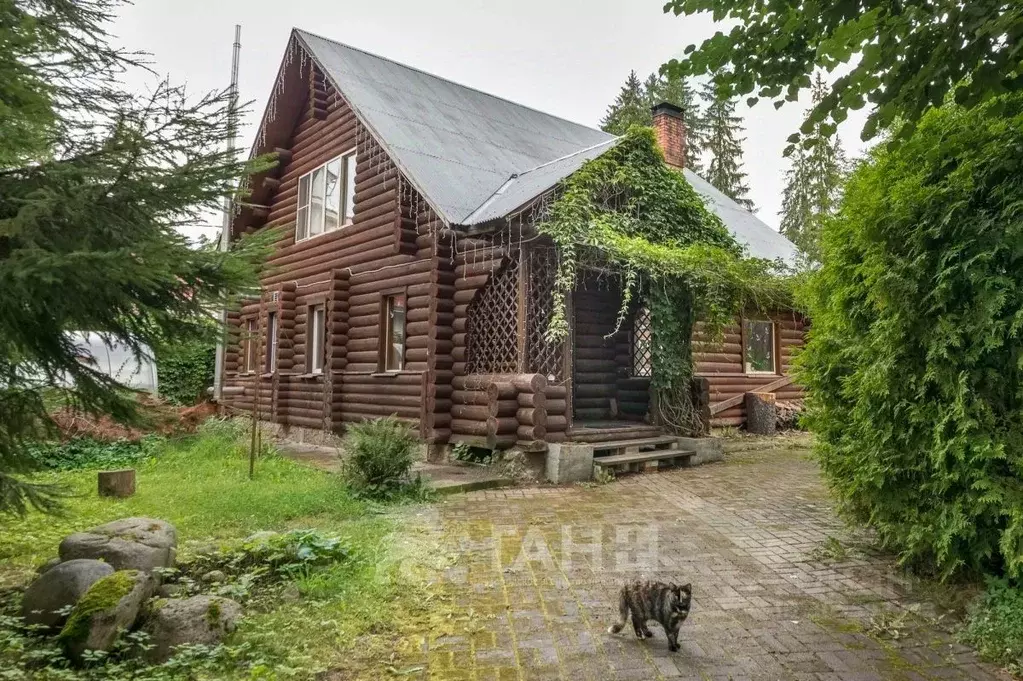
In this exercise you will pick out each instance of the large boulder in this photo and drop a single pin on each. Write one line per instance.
(199, 619)
(58, 588)
(128, 544)
(109, 607)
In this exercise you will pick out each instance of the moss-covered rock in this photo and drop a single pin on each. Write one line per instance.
(111, 605)
(200, 619)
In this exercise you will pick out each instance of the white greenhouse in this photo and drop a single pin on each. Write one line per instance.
(117, 361)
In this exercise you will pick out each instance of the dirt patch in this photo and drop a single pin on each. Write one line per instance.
(157, 416)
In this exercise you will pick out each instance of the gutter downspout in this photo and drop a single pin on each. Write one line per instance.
(225, 232)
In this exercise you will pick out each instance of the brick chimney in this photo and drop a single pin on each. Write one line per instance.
(670, 129)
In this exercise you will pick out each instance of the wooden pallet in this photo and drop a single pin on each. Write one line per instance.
(642, 460)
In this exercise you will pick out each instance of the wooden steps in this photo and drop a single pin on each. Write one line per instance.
(640, 454)
(598, 435)
(629, 462)
(636, 444)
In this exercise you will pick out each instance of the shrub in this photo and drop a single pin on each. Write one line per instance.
(86, 453)
(380, 456)
(185, 371)
(995, 625)
(914, 365)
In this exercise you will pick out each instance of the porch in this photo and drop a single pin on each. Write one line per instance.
(518, 388)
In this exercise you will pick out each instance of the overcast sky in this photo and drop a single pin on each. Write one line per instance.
(565, 57)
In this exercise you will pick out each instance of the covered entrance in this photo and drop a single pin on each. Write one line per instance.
(610, 369)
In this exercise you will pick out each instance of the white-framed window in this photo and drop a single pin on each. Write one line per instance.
(326, 197)
(315, 340)
(392, 351)
(759, 352)
(271, 342)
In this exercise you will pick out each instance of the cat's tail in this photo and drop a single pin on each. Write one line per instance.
(623, 614)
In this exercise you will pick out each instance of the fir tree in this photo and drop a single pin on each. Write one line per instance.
(94, 182)
(812, 183)
(724, 141)
(629, 108)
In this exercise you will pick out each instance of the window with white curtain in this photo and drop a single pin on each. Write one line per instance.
(326, 197)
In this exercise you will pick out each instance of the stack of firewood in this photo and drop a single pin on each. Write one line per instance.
(788, 414)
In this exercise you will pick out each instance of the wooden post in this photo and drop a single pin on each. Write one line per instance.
(119, 484)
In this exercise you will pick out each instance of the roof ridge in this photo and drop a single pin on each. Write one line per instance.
(565, 157)
(442, 78)
(515, 177)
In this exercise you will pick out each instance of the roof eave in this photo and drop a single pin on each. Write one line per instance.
(377, 137)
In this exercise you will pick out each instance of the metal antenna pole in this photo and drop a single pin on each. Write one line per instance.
(225, 231)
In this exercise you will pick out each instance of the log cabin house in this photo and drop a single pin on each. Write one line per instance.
(408, 281)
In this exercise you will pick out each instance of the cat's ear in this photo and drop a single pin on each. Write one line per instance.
(687, 589)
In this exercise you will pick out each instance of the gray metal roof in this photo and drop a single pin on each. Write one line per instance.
(523, 187)
(457, 144)
(760, 239)
(476, 157)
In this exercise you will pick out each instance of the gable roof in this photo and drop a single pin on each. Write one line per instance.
(476, 157)
(460, 145)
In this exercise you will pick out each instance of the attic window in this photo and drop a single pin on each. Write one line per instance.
(326, 197)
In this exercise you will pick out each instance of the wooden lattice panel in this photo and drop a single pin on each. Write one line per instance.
(542, 357)
(642, 340)
(492, 345)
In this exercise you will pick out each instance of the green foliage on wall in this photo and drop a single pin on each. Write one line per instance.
(629, 212)
(914, 366)
(185, 371)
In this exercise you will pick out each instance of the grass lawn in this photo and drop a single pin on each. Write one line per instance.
(349, 615)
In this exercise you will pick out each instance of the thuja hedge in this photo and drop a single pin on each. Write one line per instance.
(914, 365)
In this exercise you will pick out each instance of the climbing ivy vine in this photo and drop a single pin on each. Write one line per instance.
(629, 212)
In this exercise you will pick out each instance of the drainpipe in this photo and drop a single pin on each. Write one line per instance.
(225, 232)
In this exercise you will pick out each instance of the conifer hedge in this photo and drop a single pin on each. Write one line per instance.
(915, 360)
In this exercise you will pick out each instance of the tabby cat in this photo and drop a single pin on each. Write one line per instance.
(664, 603)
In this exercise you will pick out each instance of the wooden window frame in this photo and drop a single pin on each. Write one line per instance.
(385, 338)
(272, 325)
(250, 346)
(346, 209)
(775, 349)
(312, 337)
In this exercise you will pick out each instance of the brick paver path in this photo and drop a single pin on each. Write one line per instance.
(534, 574)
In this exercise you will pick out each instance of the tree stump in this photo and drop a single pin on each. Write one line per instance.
(118, 484)
(761, 415)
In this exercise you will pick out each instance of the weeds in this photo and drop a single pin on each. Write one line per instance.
(888, 624)
(601, 476)
(831, 549)
(995, 625)
(472, 455)
(89, 454)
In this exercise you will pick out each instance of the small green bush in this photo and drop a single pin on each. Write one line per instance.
(995, 625)
(380, 456)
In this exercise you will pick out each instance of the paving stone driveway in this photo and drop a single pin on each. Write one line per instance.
(535, 573)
